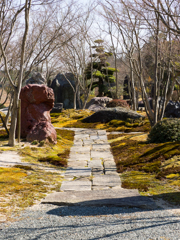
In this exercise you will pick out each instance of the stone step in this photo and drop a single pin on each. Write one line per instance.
(121, 198)
(76, 185)
(106, 180)
(78, 172)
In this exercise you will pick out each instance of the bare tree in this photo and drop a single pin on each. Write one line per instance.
(17, 87)
(46, 35)
(135, 25)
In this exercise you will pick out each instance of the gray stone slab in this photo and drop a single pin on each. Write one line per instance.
(121, 198)
(95, 164)
(87, 142)
(81, 136)
(76, 185)
(98, 171)
(103, 137)
(101, 132)
(106, 180)
(101, 155)
(76, 164)
(78, 144)
(100, 188)
(79, 157)
(83, 149)
(78, 172)
(99, 141)
(109, 167)
(101, 147)
(10, 158)
(93, 137)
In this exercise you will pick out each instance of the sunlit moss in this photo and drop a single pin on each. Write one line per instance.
(73, 118)
(21, 185)
(153, 169)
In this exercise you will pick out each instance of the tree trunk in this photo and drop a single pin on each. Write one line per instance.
(12, 131)
(133, 90)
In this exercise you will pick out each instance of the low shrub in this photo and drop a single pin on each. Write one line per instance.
(117, 103)
(167, 130)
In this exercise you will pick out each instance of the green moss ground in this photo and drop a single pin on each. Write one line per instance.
(73, 118)
(21, 186)
(153, 169)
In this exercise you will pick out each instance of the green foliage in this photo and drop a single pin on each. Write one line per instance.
(109, 70)
(35, 142)
(98, 41)
(101, 69)
(167, 130)
(98, 74)
(41, 143)
(2, 106)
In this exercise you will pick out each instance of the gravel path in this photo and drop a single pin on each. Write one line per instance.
(54, 222)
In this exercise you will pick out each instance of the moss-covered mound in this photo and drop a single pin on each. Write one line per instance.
(74, 119)
(152, 168)
(167, 130)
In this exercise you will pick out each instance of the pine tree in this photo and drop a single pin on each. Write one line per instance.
(102, 73)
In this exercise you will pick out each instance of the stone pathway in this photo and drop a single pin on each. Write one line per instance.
(91, 177)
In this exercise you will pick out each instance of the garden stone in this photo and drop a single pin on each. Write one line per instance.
(95, 164)
(109, 114)
(172, 110)
(98, 103)
(78, 172)
(57, 108)
(76, 185)
(98, 155)
(63, 90)
(106, 180)
(36, 78)
(101, 147)
(79, 157)
(77, 164)
(36, 104)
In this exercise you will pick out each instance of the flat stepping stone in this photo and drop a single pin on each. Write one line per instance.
(76, 164)
(94, 137)
(87, 142)
(10, 158)
(101, 132)
(83, 149)
(76, 185)
(110, 167)
(101, 155)
(101, 147)
(95, 164)
(78, 172)
(119, 198)
(81, 136)
(103, 137)
(106, 180)
(79, 157)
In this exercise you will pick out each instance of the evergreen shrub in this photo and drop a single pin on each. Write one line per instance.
(167, 130)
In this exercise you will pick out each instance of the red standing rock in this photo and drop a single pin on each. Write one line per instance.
(36, 104)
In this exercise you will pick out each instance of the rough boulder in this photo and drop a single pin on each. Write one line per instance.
(98, 103)
(172, 110)
(36, 104)
(109, 114)
(36, 78)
